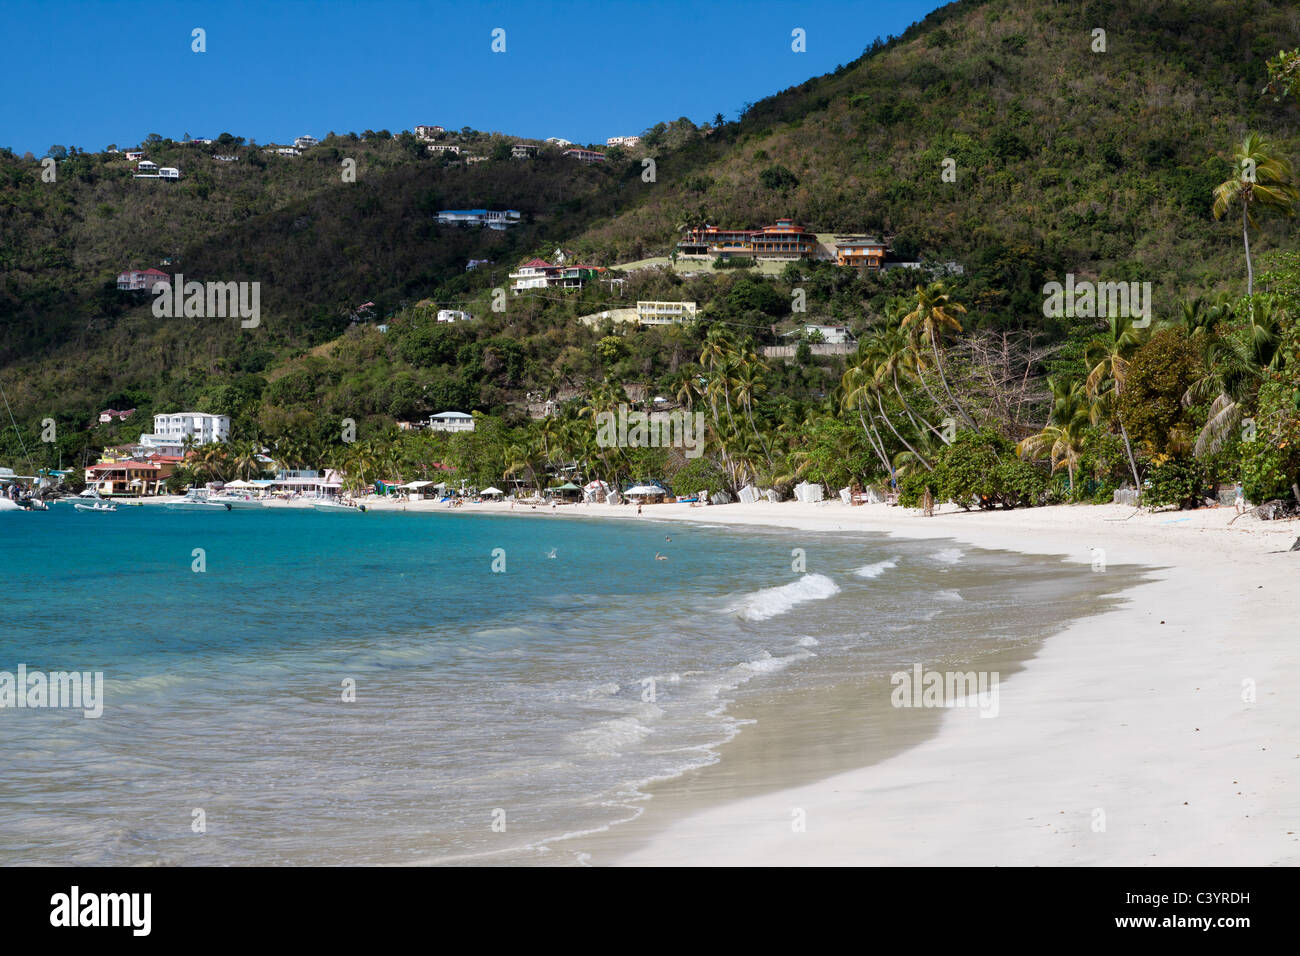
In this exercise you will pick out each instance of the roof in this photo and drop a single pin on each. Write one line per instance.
(537, 264)
(452, 415)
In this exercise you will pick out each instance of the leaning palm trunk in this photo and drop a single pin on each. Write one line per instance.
(1245, 238)
(872, 437)
(908, 409)
(905, 442)
(1128, 447)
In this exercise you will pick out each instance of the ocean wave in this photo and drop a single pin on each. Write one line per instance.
(948, 555)
(877, 569)
(765, 663)
(808, 641)
(948, 596)
(611, 737)
(769, 602)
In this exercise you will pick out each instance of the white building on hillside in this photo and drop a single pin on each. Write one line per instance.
(303, 142)
(664, 313)
(170, 431)
(453, 315)
(451, 422)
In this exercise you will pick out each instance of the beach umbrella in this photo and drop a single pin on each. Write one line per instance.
(492, 491)
(645, 490)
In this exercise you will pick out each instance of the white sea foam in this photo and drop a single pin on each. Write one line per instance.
(948, 555)
(769, 602)
(808, 642)
(611, 736)
(765, 663)
(877, 569)
(948, 596)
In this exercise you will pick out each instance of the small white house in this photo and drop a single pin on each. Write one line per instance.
(428, 132)
(453, 315)
(304, 142)
(169, 172)
(134, 155)
(830, 334)
(146, 164)
(443, 148)
(451, 422)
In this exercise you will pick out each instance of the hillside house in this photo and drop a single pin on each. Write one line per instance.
(444, 148)
(453, 315)
(664, 313)
(585, 155)
(863, 252)
(557, 141)
(134, 155)
(169, 172)
(288, 151)
(142, 280)
(111, 414)
(146, 165)
(785, 240)
(828, 334)
(426, 133)
(522, 151)
(305, 142)
(498, 219)
(226, 159)
(627, 142)
(451, 422)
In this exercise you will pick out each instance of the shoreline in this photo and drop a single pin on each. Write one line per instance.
(1126, 739)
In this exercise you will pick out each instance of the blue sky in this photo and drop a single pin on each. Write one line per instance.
(89, 74)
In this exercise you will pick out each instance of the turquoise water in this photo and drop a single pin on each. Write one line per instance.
(544, 696)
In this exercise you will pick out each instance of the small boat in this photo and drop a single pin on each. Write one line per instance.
(198, 499)
(243, 502)
(96, 506)
(337, 506)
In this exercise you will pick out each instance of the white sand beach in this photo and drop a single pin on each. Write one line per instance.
(1162, 732)
(1138, 718)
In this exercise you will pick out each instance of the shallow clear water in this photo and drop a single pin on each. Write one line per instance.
(546, 695)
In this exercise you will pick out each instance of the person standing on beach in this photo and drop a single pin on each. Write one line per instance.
(1239, 501)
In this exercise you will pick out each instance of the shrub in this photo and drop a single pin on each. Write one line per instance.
(1177, 481)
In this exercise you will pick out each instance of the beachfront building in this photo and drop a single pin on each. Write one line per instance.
(453, 315)
(781, 241)
(522, 151)
(142, 280)
(134, 477)
(499, 219)
(451, 422)
(863, 252)
(307, 482)
(426, 133)
(171, 430)
(664, 313)
(627, 142)
(585, 155)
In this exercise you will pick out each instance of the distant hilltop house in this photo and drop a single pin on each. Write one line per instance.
(585, 155)
(471, 160)
(163, 172)
(171, 430)
(226, 159)
(625, 141)
(453, 315)
(426, 133)
(444, 148)
(134, 155)
(522, 151)
(784, 240)
(556, 141)
(287, 151)
(305, 142)
(109, 414)
(540, 274)
(498, 219)
(142, 280)
(451, 422)
(202, 142)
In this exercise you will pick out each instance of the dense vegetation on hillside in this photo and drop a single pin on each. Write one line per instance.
(1066, 160)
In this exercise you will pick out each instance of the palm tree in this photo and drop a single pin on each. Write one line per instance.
(1261, 183)
(1066, 431)
(1107, 357)
(935, 313)
(1234, 367)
